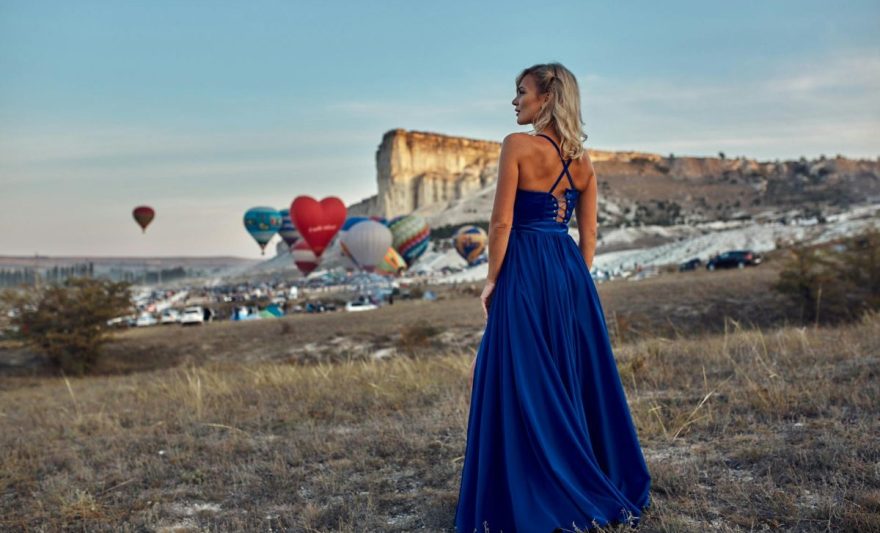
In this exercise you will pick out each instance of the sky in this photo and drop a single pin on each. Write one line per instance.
(203, 109)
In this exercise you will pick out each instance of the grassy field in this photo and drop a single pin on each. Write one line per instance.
(235, 428)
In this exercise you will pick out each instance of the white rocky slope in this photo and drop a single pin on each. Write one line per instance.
(704, 241)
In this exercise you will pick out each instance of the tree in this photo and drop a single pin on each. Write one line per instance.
(68, 322)
(834, 282)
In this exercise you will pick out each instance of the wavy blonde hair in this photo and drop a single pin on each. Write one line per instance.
(563, 109)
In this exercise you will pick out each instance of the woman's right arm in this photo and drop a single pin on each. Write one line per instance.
(587, 211)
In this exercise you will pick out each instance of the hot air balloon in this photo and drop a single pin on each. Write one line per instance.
(262, 223)
(287, 231)
(366, 243)
(470, 242)
(349, 223)
(304, 258)
(392, 264)
(317, 222)
(143, 215)
(411, 233)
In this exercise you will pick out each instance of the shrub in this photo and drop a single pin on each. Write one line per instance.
(416, 336)
(835, 282)
(68, 322)
(416, 292)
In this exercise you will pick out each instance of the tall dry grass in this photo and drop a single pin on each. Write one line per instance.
(745, 430)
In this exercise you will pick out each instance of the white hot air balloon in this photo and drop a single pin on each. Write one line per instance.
(367, 242)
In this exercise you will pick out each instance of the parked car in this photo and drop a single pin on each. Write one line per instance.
(734, 259)
(360, 305)
(690, 264)
(314, 307)
(122, 321)
(170, 316)
(192, 315)
(145, 319)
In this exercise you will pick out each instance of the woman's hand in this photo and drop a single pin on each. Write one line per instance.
(486, 297)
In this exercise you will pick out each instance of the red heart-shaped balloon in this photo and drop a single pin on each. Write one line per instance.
(317, 222)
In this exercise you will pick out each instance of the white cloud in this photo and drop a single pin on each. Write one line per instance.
(827, 106)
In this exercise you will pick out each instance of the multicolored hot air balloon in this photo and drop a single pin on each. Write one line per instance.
(287, 230)
(392, 264)
(143, 215)
(317, 222)
(411, 233)
(262, 223)
(366, 243)
(304, 258)
(470, 242)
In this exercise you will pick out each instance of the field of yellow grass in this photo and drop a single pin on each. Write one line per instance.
(744, 429)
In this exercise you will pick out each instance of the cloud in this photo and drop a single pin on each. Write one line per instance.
(827, 105)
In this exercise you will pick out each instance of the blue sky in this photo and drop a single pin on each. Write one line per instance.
(203, 109)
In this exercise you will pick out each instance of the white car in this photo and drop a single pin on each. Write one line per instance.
(170, 316)
(122, 321)
(145, 319)
(360, 305)
(192, 315)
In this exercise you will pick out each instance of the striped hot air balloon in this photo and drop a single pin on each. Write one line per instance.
(262, 223)
(304, 258)
(411, 236)
(287, 230)
(470, 243)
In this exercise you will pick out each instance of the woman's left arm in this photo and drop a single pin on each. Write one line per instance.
(502, 214)
(502, 210)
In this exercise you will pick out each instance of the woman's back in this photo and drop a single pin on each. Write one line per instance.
(552, 189)
(540, 165)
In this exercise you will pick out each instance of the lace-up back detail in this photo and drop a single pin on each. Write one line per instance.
(543, 210)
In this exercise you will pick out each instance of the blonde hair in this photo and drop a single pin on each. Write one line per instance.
(563, 109)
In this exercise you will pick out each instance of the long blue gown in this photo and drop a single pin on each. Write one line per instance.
(550, 439)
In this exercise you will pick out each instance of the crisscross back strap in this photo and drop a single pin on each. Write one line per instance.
(565, 164)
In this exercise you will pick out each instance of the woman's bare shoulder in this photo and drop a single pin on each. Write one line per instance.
(586, 162)
(517, 138)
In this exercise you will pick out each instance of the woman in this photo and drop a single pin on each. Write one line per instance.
(550, 441)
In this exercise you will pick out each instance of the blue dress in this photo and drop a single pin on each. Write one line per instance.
(550, 439)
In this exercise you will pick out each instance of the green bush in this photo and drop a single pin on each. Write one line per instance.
(833, 282)
(68, 322)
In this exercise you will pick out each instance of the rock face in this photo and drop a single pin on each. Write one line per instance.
(451, 180)
(416, 169)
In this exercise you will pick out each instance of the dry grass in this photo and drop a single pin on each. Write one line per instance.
(745, 430)
(291, 425)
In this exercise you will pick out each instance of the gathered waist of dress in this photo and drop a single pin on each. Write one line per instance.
(542, 226)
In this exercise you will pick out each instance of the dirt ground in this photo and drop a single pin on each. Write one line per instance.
(672, 305)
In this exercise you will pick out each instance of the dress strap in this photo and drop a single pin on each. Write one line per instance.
(558, 151)
(565, 164)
